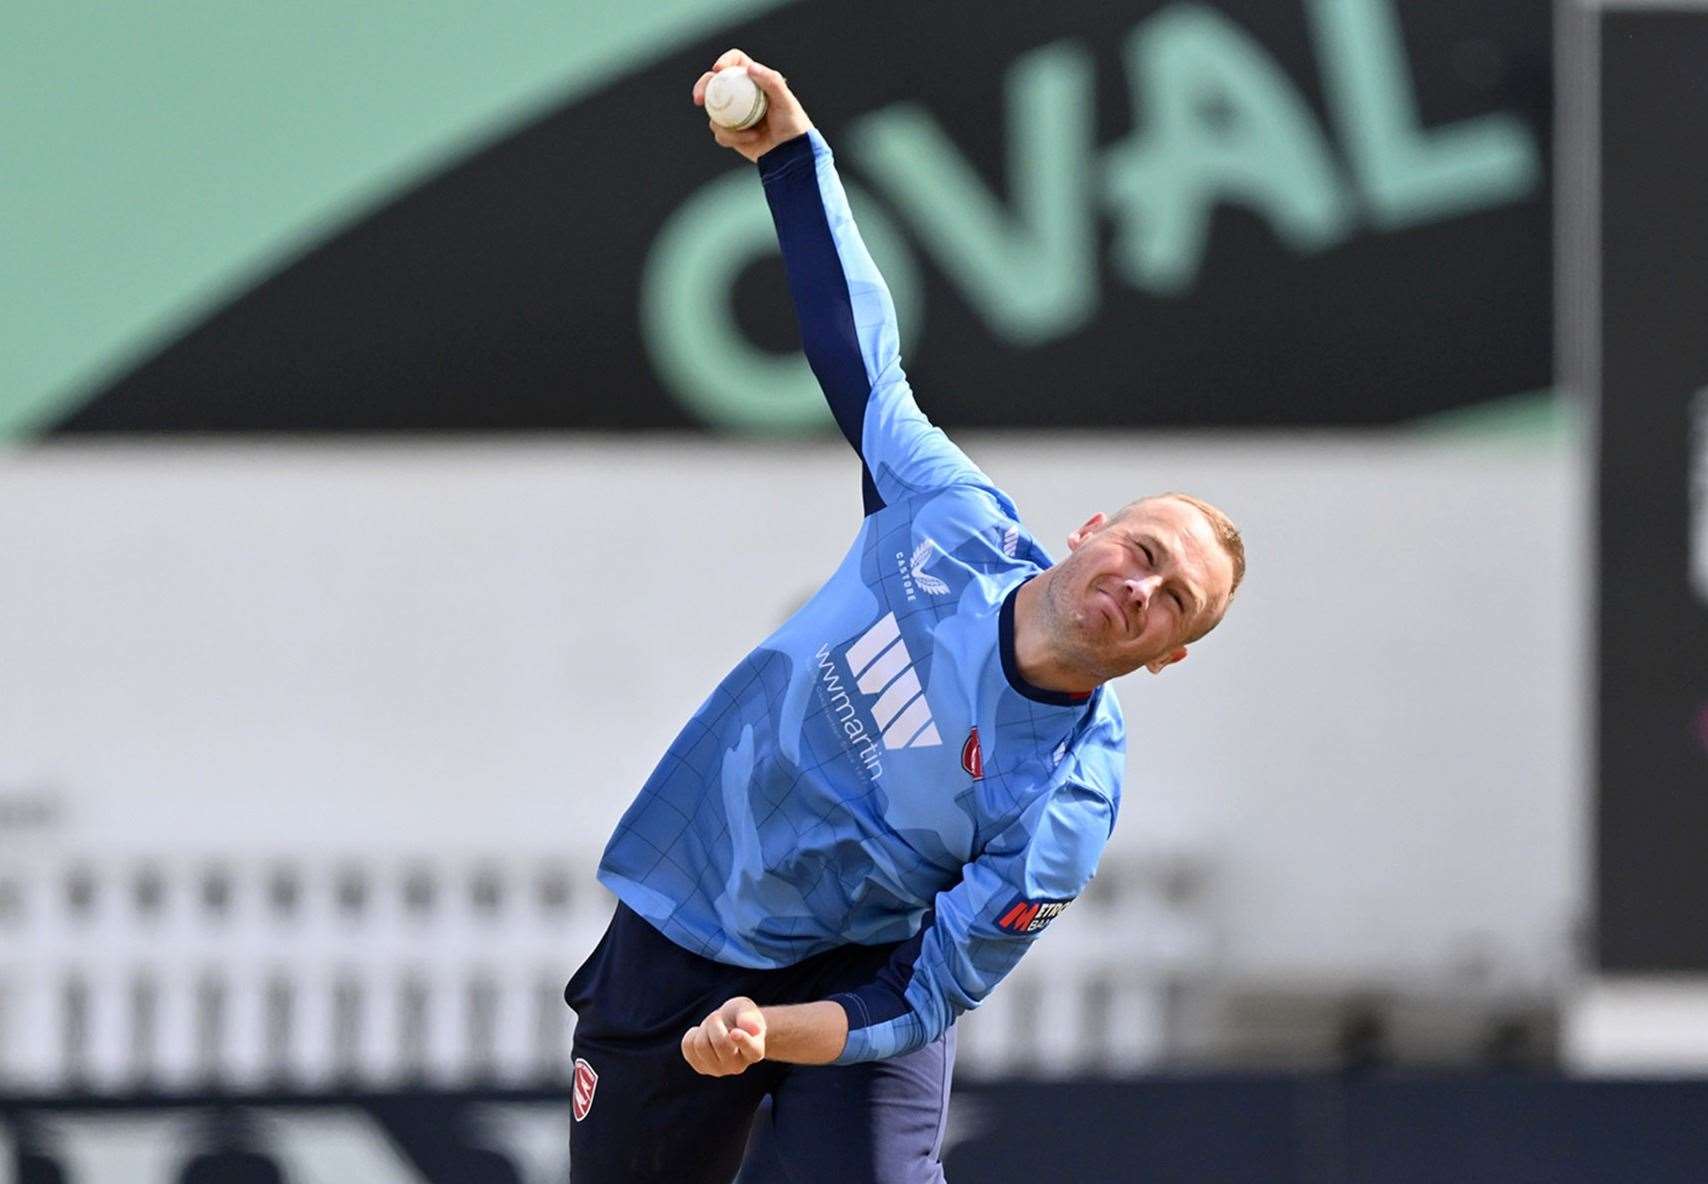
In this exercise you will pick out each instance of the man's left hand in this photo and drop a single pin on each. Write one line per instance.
(727, 1041)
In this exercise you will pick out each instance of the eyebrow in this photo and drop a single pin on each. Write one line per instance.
(1162, 549)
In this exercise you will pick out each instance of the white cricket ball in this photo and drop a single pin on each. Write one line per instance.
(734, 100)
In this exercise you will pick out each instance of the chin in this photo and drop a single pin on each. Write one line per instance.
(1095, 659)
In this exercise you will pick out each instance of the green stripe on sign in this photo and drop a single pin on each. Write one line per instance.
(161, 158)
(1551, 417)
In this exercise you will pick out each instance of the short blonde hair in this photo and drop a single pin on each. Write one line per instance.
(1222, 527)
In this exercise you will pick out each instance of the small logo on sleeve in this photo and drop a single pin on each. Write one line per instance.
(1030, 916)
(586, 1081)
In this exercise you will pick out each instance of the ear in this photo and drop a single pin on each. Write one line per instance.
(1161, 664)
(1092, 525)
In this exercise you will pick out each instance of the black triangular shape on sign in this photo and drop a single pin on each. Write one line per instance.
(503, 294)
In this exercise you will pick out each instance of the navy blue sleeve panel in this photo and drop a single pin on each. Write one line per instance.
(849, 329)
(980, 928)
(823, 305)
(885, 997)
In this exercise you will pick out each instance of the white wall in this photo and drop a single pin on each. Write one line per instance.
(477, 648)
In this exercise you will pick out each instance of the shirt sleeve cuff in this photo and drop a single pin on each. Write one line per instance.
(790, 153)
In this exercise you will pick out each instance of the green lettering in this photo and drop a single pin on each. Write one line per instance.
(689, 325)
(1222, 123)
(1031, 274)
(1407, 175)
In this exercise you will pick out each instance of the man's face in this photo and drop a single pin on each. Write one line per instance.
(1138, 588)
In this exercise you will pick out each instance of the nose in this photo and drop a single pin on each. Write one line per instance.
(1139, 592)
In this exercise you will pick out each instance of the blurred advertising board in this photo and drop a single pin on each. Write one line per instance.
(1230, 1129)
(1238, 213)
(1653, 491)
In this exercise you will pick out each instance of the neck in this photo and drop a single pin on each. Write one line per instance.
(1035, 652)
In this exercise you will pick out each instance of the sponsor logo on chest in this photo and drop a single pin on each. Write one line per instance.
(972, 756)
(881, 684)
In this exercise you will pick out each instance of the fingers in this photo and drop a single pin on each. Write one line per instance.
(723, 1048)
(750, 1019)
(730, 138)
(745, 1023)
(727, 1041)
(750, 1049)
(743, 141)
(713, 1051)
(733, 57)
(697, 1051)
(745, 1045)
(784, 120)
(768, 80)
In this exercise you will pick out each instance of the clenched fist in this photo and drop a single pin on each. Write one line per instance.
(784, 119)
(731, 1038)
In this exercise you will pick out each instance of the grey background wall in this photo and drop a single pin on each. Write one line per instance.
(402, 649)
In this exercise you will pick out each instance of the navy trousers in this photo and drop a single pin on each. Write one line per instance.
(641, 1114)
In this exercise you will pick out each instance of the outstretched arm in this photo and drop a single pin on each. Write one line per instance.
(847, 318)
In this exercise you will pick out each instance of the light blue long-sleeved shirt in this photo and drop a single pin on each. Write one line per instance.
(878, 770)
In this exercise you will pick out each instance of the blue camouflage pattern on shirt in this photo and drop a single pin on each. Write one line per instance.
(825, 792)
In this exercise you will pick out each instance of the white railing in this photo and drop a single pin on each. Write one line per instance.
(181, 975)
